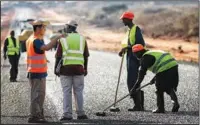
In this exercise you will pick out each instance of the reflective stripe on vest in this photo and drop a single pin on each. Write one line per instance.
(36, 63)
(164, 61)
(130, 34)
(11, 49)
(73, 49)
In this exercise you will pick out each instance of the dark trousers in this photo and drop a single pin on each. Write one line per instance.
(14, 61)
(132, 74)
(167, 81)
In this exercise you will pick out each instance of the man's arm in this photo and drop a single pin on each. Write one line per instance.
(86, 55)
(146, 62)
(58, 57)
(5, 46)
(52, 43)
(139, 37)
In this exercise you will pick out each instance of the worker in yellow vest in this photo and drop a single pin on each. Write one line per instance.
(12, 50)
(71, 65)
(133, 36)
(165, 67)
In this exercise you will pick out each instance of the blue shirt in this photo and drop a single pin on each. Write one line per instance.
(37, 45)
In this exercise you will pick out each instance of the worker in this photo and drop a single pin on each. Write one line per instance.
(12, 50)
(72, 59)
(166, 77)
(133, 36)
(37, 69)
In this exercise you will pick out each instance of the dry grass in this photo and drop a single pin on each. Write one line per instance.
(166, 29)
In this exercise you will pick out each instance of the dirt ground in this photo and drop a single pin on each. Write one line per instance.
(106, 40)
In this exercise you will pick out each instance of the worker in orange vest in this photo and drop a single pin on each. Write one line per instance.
(37, 69)
(133, 36)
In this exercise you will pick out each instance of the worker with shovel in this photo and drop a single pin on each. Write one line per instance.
(166, 69)
(133, 36)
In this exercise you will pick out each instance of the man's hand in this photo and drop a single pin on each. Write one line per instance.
(64, 35)
(123, 50)
(153, 81)
(135, 88)
(85, 72)
(5, 57)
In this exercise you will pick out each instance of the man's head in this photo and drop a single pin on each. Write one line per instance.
(71, 26)
(12, 33)
(39, 27)
(127, 18)
(139, 50)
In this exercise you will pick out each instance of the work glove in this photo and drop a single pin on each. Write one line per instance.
(123, 50)
(5, 57)
(85, 72)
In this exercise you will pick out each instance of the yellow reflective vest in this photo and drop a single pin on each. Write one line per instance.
(164, 61)
(130, 34)
(72, 49)
(11, 49)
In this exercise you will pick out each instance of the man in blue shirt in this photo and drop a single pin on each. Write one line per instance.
(37, 72)
(134, 37)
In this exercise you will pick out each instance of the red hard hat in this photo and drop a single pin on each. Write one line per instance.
(128, 15)
(137, 47)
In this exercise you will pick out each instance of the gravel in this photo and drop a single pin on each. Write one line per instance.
(99, 92)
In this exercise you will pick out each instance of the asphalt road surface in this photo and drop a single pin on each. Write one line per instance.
(99, 92)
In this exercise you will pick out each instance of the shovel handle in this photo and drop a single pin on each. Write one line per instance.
(118, 81)
(126, 96)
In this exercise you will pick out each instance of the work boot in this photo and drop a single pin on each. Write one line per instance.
(65, 118)
(15, 80)
(160, 103)
(135, 108)
(142, 100)
(158, 111)
(82, 117)
(138, 102)
(34, 119)
(174, 99)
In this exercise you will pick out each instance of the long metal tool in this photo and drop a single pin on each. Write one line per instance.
(114, 108)
(104, 114)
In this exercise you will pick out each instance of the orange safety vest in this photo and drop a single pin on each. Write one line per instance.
(36, 63)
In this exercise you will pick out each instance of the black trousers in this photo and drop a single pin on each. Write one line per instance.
(132, 74)
(14, 62)
(167, 81)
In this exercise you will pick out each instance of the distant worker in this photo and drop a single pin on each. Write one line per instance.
(166, 69)
(71, 65)
(133, 36)
(12, 50)
(37, 69)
